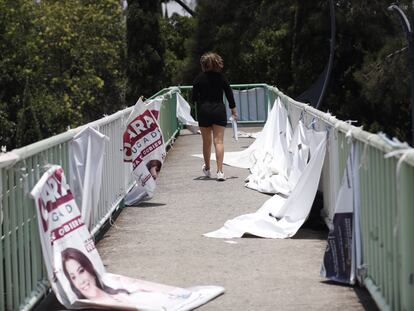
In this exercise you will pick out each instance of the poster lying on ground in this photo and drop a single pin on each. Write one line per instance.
(75, 269)
(144, 148)
(343, 252)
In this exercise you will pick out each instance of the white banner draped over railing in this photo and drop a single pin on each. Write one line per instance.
(86, 156)
(282, 163)
(184, 114)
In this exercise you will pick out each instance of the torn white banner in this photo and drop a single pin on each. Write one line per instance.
(267, 174)
(184, 114)
(86, 154)
(267, 143)
(281, 217)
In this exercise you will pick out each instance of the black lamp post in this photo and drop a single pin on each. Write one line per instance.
(407, 27)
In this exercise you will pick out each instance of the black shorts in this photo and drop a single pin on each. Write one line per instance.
(209, 113)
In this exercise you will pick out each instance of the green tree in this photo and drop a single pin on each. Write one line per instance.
(71, 53)
(145, 49)
(176, 31)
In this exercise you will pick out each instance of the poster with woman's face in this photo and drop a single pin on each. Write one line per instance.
(144, 145)
(61, 228)
(75, 269)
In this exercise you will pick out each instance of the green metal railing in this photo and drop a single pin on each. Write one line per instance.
(386, 204)
(23, 278)
(386, 198)
(251, 99)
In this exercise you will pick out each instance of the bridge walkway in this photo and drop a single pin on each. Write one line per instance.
(161, 240)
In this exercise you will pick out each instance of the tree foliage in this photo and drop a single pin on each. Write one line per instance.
(286, 43)
(68, 55)
(146, 48)
(65, 63)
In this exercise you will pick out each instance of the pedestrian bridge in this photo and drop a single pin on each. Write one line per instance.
(161, 240)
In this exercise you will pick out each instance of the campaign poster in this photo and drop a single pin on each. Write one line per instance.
(342, 257)
(75, 269)
(144, 148)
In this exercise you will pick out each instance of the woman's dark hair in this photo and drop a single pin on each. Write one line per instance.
(83, 260)
(211, 61)
(156, 163)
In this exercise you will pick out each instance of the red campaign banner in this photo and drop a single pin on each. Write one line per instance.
(137, 129)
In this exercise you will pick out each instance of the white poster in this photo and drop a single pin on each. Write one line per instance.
(343, 252)
(75, 270)
(86, 156)
(184, 114)
(144, 148)
(270, 143)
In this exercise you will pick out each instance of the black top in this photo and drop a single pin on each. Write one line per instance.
(209, 86)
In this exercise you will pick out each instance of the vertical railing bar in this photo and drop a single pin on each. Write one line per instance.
(379, 267)
(364, 210)
(387, 228)
(35, 232)
(13, 239)
(383, 232)
(390, 255)
(257, 103)
(391, 243)
(20, 238)
(370, 213)
(246, 92)
(3, 206)
(26, 232)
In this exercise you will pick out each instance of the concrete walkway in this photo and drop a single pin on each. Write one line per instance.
(161, 241)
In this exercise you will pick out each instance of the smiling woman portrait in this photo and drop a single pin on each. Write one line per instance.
(87, 284)
(83, 278)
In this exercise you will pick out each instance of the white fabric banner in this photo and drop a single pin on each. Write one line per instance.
(343, 252)
(75, 270)
(86, 152)
(281, 217)
(269, 176)
(144, 148)
(267, 144)
(184, 114)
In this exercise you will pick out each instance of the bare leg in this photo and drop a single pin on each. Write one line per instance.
(206, 136)
(218, 137)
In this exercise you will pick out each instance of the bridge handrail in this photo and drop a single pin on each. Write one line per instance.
(385, 204)
(23, 279)
(386, 199)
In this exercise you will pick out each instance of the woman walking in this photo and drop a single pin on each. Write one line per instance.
(208, 90)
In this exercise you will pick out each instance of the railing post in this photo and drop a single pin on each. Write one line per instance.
(406, 236)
